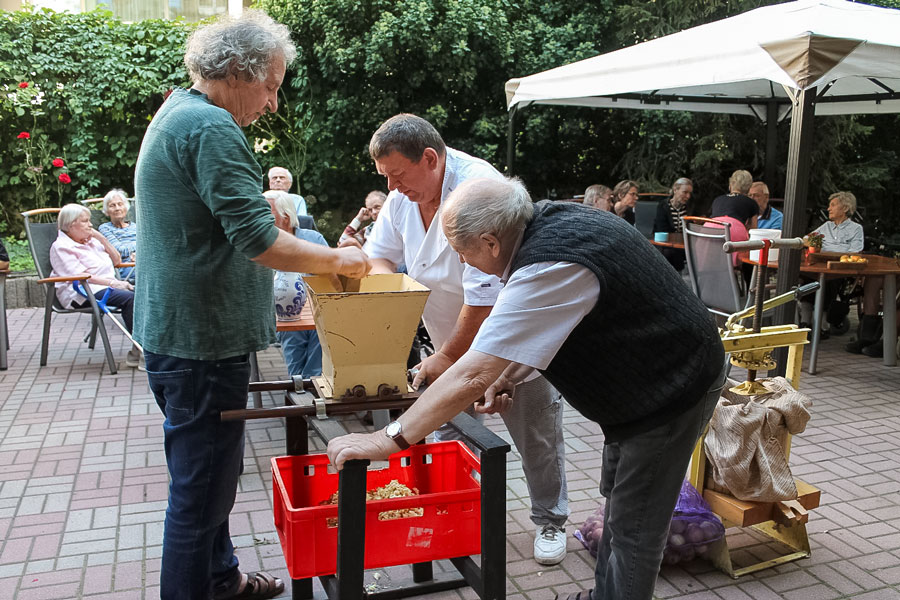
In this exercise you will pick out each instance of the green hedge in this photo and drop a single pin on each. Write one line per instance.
(93, 85)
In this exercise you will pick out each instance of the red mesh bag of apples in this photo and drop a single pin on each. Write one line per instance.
(693, 529)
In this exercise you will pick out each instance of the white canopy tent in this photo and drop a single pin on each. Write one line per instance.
(797, 60)
(740, 64)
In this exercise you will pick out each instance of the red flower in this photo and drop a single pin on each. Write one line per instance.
(23, 85)
(24, 135)
(58, 162)
(64, 178)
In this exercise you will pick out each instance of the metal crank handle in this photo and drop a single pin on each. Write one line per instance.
(730, 247)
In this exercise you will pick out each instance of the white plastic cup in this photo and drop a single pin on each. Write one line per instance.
(764, 234)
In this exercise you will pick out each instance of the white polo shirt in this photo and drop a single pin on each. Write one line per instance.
(536, 311)
(400, 237)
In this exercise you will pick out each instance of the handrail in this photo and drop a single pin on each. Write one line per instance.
(40, 211)
(82, 277)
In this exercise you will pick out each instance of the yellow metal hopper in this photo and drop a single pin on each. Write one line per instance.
(366, 332)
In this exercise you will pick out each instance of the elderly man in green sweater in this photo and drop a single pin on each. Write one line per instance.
(204, 299)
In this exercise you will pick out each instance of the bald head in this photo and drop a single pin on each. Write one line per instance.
(499, 207)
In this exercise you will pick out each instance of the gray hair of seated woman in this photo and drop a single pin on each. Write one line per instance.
(847, 200)
(622, 188)
(680, 182)
(243, 47)
(487, 206)
(283, 205)
(70, 213)
(112, 194)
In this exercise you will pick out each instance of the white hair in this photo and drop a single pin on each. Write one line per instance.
(277, 170)
(70, 213)
(486, 206)
(283, 206)
(847, 200)
(244, 47)
(112, 194)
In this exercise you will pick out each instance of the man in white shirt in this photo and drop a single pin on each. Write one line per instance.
(282, 180)
(601, 323)
(421, 171)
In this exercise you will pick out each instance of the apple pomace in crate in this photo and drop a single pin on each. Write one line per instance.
(366, 331)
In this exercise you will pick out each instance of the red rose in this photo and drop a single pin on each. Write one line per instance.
(64, 178)
(58, 162)
(23, 85)
(24, 135)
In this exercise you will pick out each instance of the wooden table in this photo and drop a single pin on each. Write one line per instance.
(304, 323)
(4, 330)
(676, 240)
(877, 266)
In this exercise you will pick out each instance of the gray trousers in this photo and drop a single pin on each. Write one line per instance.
(535, 424)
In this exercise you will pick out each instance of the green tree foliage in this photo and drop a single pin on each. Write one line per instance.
(102, 80)
(447, 61)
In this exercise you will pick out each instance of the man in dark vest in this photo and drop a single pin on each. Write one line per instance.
(594, 307)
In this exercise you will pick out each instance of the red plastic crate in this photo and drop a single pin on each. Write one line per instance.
(449, 493)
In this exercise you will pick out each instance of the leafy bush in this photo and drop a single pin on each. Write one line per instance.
(19, 254)
(101, 81)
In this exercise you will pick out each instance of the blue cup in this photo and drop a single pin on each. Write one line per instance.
(661, 236)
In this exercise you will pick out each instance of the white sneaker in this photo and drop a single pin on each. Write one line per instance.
(133, 359)
(549, 544)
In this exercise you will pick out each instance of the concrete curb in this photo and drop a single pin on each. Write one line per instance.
(24, 292)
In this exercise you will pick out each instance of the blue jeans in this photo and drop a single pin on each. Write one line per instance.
(205, 459)
(641, 478)
(302, 352)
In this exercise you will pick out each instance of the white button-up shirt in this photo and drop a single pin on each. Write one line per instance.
(558, 295)
(846, 237)
(400, 237)
(69, 258)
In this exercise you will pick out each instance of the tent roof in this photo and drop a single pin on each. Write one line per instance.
(849, 51)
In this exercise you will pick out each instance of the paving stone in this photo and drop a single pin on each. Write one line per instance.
(85, 448)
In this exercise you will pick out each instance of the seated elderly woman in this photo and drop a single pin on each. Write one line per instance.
(624, 199)
(302, 349)
(120, 233)
(840, 234)
(79, 249)
(668, 218)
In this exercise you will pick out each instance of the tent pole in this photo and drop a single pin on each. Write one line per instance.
(511, 141)
(771, 145)
(796, 188)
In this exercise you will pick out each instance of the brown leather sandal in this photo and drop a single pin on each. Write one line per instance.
(253, 586)
(582, 595)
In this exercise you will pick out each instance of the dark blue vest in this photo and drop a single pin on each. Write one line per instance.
(649, 349)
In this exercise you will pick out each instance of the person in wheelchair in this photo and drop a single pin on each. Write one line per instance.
(841, 234)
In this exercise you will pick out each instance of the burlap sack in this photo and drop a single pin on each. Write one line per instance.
(745, 444)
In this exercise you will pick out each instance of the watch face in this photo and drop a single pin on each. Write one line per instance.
(393, 428)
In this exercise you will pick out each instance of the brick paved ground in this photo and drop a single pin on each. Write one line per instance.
(83, 486)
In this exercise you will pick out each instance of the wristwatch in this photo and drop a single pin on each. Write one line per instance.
(394, 430)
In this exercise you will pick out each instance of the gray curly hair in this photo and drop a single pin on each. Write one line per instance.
(244, 47)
